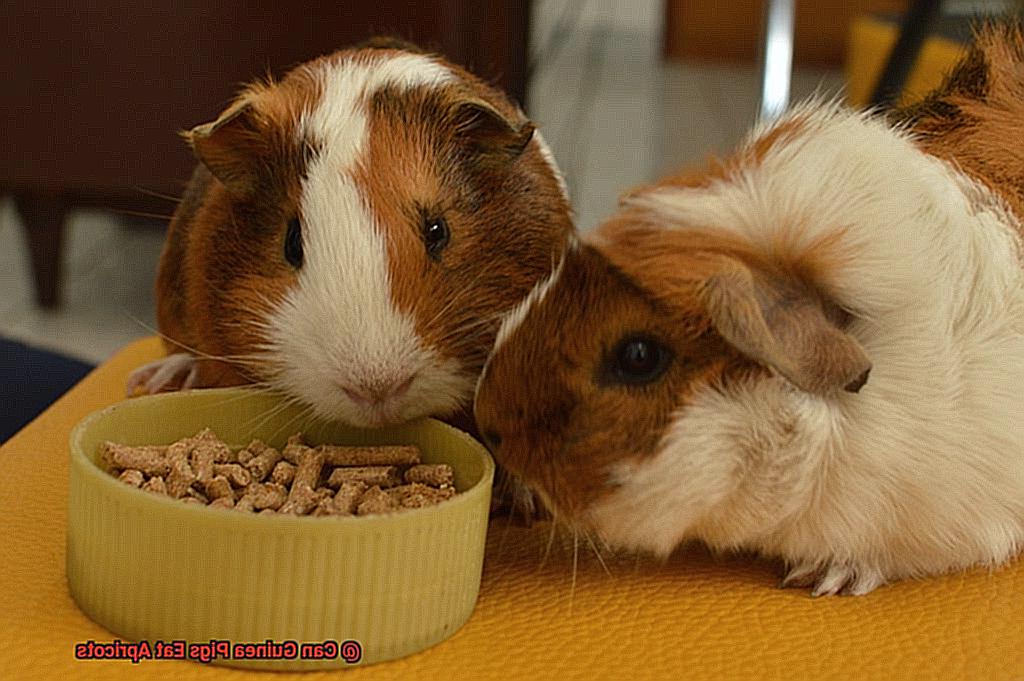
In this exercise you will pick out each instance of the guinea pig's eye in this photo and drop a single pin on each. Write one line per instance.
(435, 235)
(293, 243)
(637, 360)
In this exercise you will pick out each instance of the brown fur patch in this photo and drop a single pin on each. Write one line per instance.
(976, 118)
(506, 215)
(221, 263)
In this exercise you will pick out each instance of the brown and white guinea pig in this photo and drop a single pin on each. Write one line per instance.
(813, 350)
(353, 234)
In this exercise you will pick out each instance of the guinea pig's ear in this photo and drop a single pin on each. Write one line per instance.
(782, 326)
(229, 146)
(487, 130)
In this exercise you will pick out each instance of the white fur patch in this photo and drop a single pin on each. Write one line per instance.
(338, 123)
(338, 327)
(920, 472)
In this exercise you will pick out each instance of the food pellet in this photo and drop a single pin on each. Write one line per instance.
(396, 455)
(180, 476)
(207, 441)
(308, 470)
(433, 474)
(283, 473)
(243, 455)
(299, 502)
(294, 449)
(133, 477)
(201, 461)
(375, 500)
(155, 484)
(259, 496)
(381, 476)
(345, 500)
(237, 475)
(302, 498)
(299, 479)
(149, 459)
(263, 460)
(193, 493)
(418, 495)
(223, 502)
(218, 487)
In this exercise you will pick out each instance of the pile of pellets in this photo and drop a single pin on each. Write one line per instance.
(298, 480)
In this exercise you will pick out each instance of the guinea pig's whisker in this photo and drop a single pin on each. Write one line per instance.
(551, 540)
(597, 552)
(575, 565)
(141, 214)
(159, 195)
(466, 292)
(470, 331)
(266, 309)
(443, 310)
(455, 300)
(240, 397)
(241, 360)
(269, 413)
(262, 418)
(305, 411)
(480, 325)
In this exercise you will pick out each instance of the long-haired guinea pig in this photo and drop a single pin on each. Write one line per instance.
(353, 234)
(813, 350)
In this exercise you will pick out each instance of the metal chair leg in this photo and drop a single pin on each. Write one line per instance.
(776, 58)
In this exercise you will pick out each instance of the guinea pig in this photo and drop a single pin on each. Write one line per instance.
(813, 350)
(352, 235)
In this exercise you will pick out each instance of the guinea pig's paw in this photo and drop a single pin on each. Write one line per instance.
(179, 371)
(833, 579)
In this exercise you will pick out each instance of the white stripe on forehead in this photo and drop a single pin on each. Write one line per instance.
(338, 123)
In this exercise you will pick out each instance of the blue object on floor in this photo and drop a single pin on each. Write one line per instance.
(31, 380)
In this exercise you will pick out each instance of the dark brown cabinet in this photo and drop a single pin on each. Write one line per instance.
(94, 94)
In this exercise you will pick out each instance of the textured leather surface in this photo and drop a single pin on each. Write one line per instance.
(694, 616)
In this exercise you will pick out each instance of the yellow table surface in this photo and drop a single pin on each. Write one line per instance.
(693, 617)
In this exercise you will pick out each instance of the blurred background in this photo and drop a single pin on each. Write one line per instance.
(623, 90)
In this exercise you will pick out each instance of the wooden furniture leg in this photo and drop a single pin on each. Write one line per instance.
(42, 215)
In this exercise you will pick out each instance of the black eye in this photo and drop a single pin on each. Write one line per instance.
(435, 236)
(637, 360)
(293, 243)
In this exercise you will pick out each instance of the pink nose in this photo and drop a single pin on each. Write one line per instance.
(373, 393)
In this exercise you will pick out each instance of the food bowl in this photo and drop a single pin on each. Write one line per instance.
(270, 592)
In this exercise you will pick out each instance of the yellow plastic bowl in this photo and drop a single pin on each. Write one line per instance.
(150, 568)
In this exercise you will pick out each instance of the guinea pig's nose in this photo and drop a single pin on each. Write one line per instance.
(374, 392)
